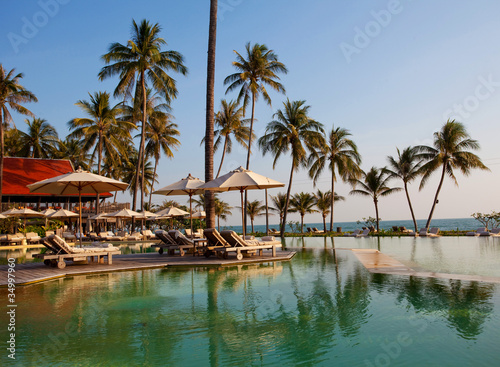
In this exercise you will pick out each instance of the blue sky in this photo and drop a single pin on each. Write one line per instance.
(391, 72)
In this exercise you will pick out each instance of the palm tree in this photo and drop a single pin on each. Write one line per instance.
(209, 115)
(142, 59)
(406, 167)
(73, 149)
(101, 130)
(230, 121)
(12, 142)
(200, 203)
(259, 69)
(160, 137)
(323, 203)
(279, 202)
(342, 157)
(450, 151)
(292, 131)
(374, 184)
(40, 141)
(222, 210)
(130, 174)
(303, 203)
(255, 209)
(12, 95)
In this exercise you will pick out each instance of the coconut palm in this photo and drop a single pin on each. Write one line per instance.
(102, 130)
(129, 173)
(40, 141)
(341, 156)
(12, 96)
(450, 151)
(279, 202)
(323, 203)
(302, 203)
(406, 167)
(295, 132)
(12, 142)
(200, 202)
(142, 60)
(255, 209)
(73, 149)
(222, 210)
(160, 137)
(374, 183)
(230, 122)
(257, 71)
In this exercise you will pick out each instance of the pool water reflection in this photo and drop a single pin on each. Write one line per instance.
(321, 308)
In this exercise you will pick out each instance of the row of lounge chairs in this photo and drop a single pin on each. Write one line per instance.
(58, 251)
(314, 230)
(18, 238)
(483, 231)
(358, 233)
(220, 244)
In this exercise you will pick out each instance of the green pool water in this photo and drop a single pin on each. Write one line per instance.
(320, 309)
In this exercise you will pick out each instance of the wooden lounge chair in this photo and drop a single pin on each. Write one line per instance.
(250, 247)
(173, 241)
(309, 230)
(110, 236)
(404, 230)
(68, 236)
(316, 230)
(134, 236)
(214, 242)
(59, 251)
(477, 232)
(195, 234)
(148, 235)
(12, 239)
(353, 234)
(273, 231)
(32, 237)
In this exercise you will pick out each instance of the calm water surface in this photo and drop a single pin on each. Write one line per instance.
(321, 308)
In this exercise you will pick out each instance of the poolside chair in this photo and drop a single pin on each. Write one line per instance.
(273, 231)
(32, 237)
(433, 232)
(495, 232)
(395, 228)
(214, 242)
(147, 234)
(68, 236)
(316, 230)
(309, 230)
(355, 233)
(195, 234)
(134, 236)
(365, 233)
(249, 247)
(12, 239)
(59, 251)
(110, 236)
(477, 232)
(404, 230)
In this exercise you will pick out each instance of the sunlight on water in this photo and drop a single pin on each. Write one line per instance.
(321, 308)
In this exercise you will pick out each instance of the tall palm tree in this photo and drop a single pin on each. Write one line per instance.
(73, 149)
(222, 210)
(255, 209)
(303, 203)
(257, 71)
(12, 142)
(12, 95)
(450, 151)
(374, 183)
(323, 203)
(295, 132)
(141, 59)
(342, 158)
(102, 129)
(160, 137)
(230, 122)
(130, 174)
(209, 114)
(279, 202)
(407, 168)
(40, 141)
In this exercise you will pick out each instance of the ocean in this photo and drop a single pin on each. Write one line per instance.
(442, 224)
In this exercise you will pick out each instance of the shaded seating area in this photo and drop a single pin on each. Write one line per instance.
(59, 251)
(215, 242)
(248, 247)
(12, 239)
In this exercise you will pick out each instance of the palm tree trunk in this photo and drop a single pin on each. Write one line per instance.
(143, 137)
(427, 225)
(248, 154)
(222, 159)
(283, 225)
(331, 204)
(375, 201)
(218, 223)
(99, 162)
(324, 223)
(152, 183)
(411, 208)
(209, 131)
(2, 152)
(251, 221)
(302, 224)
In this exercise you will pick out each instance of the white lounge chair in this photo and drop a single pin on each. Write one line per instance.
(477, 232)
(353, 234)
(365, 233)
(250, 247)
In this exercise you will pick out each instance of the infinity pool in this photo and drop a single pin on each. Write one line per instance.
(321, 308)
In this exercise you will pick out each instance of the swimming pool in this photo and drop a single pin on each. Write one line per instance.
(321, 308)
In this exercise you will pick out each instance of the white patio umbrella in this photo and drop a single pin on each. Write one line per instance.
(77, 182)
(186, 186)
(241, 179)
(22, 213)
(123, 214)
(62, 214)
(2, 216)
(171, 212)
(197, 215)
(146, 215)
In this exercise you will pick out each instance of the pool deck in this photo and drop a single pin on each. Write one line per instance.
(38, 272)
(377, 262)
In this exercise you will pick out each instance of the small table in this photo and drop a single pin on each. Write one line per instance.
(196, 241)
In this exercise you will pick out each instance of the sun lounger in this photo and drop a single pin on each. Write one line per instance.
(404, 230)
(433, 232)
(477, 232)
(32, 237)
(365, 233)
(134, 236)
(59, 251)
(195, 234)
(110, 236)
(353, 234)
(250, 247)
(316, 230)
(68, 236)
(12, 239)
(274, 231)
(214, 242)
(173, 241)
(148, 235)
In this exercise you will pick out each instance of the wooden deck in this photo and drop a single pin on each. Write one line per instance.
(38, 272)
